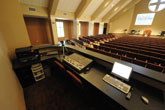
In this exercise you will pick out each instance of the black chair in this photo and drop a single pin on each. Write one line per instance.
(115, 55)
(155, 60)
(155, 67)
(121, 52)
(139, 62)
(95, 46)
(127, 59)
(141, 57)
(131, 55)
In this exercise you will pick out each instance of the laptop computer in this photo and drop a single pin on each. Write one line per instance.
(120, 72)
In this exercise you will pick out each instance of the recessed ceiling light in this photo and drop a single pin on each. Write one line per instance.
(106, 4)
(125, 10)
(116, 9)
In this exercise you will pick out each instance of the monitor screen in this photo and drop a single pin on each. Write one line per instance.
(122, 71)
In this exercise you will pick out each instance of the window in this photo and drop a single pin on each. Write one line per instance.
(156, 5)
(144, 19)
(60, 29)
(79, 29)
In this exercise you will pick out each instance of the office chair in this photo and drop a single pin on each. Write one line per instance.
(75, 79)
(60, 65)
(147, 33)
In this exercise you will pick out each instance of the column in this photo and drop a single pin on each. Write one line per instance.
(54, 29)
(76, 28)
(91, 27)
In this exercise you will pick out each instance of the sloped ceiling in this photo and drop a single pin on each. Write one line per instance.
(119, 8)
(94, 4)
(108, 8)
(40, 3)
(68, 5)
(105, 9)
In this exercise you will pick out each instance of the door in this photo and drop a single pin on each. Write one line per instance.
(105, 28)
(84, 29)
(38, 30)
(96, 29)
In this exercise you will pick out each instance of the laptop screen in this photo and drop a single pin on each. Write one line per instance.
(122, 71)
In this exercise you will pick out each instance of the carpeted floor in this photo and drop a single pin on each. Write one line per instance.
(59, 93)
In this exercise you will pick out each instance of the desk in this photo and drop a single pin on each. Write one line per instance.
(96, 73)
(94, 77)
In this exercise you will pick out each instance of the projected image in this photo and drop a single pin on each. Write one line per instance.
(144, 19)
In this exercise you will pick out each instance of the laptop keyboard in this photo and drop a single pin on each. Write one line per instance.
(117, 83)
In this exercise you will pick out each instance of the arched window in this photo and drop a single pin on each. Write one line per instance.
(156, 5)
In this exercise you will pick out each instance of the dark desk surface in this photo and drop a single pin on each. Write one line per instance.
(136, 68)
(96, 73)
(94, 77)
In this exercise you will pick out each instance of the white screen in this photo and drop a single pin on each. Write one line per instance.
(121, 70)
(145, 19)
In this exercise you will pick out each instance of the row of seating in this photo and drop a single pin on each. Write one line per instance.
(145, 52)
(78, 41)
(144, 41)
(85, 40)
(130, 54)
(151, 63)
(97, 38)
(139, 47)
(142, 44)
(130, 51)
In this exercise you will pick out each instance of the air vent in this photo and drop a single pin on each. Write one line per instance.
(32, 9)
(65, 14)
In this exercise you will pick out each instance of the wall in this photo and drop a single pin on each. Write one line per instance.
(123, 22)
(84, 18)
(12, 25)
(11, 93)
(64, 14)
(40, 11)
(158, 23)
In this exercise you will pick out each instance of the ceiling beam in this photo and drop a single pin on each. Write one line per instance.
(52, 7)
(130, 5)
(100, 9)
(81, 8)
(115, 9)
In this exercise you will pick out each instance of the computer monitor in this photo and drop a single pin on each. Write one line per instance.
(163, 33)
(122, 71)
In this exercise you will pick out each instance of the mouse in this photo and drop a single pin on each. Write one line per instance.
(145, 100)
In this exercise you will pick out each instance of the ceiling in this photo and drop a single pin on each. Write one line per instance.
(94, 4)
(40, 3)
(104, 9)
(119, 8)
(68, 5)
(108, 8)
